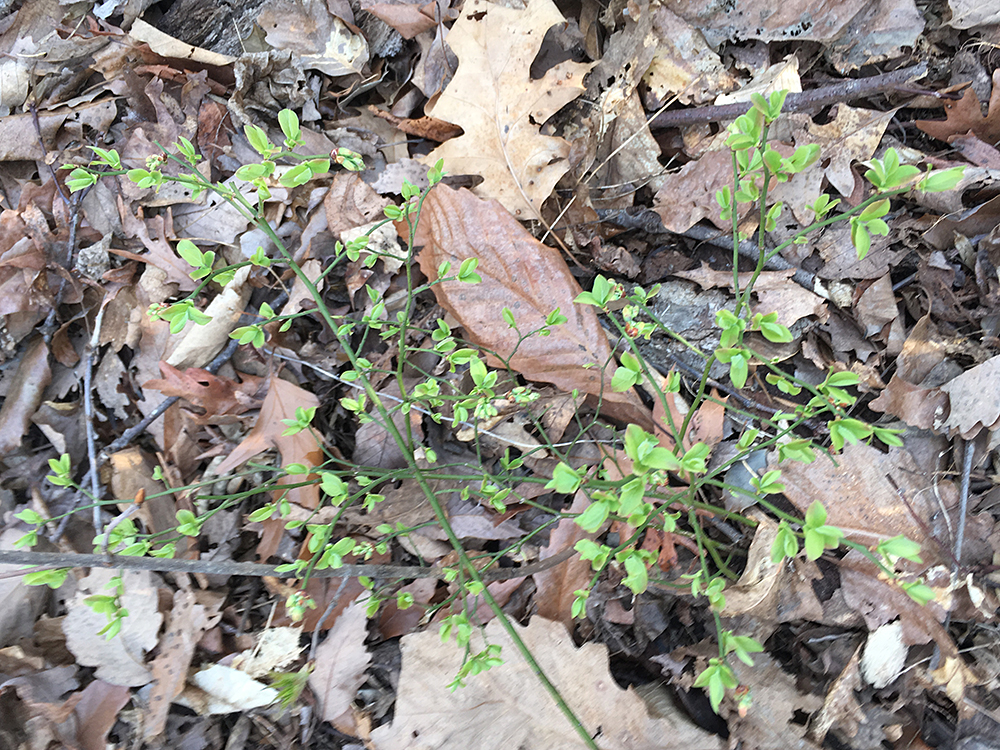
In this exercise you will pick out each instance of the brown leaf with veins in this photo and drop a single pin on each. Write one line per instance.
(187, 622)
(280, 403)
(506, 707)
(520, 273)
(501, 108)
(214, 394)
(965, 115)
(859, 497)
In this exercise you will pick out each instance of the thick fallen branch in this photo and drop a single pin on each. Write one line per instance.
(823, 96)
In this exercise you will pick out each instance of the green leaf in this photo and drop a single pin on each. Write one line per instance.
(919, 592)
(900, 546)
(739, 370)
(467, 272)
(842, 379)
(300, 174)
(190, 253)
(79, 179)
(564, 479)
(786, 544)
(860, 238)
(289, 123)
(258, 140)
(624, 379)
(593, 517)
(637, 578)
(776, 332)
(941, 180)
(632, 495)
(815, 515)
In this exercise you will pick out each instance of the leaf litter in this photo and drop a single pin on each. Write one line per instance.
(541, 118)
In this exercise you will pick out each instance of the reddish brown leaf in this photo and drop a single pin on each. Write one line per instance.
(520, 273)
(210, 392)
(965, 115)
(423, 127)
(280, 403)
(554, 587)
(97, 711)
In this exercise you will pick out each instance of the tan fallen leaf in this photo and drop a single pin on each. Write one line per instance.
(501, 108)
(341, 661)
(121, 660)
(507, 707)
(188, 620)
(975, 400)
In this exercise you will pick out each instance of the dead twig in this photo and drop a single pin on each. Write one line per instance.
(823, 96)
(56, 560)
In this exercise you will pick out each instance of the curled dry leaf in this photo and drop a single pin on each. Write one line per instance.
(501, 108)
(520, 273)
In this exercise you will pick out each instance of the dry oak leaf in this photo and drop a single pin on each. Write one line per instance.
(507, 706)
(975, 400)
(280, 403)
(216, 395)
(858, 495)
(965, 115)
(501, 109)
(520, 273)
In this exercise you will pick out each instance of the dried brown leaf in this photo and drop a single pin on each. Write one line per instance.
(501, 108)
(216, 395)
(280, 403)
(775, 290)
(965, 115)
(186, 624)
(341, 661)
(24, 395)
(554, 587)
(507, 707)
(97, 711)
(975, 399)
(918, 407)
(688, 196)
(858, 496)
(520, 273)
(351, 203)
(840, 708)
